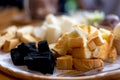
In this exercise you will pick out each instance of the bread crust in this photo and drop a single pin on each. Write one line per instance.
(112, 55)
(64, 62)
(87, 64)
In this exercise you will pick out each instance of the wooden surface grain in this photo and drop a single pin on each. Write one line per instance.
(4, 76)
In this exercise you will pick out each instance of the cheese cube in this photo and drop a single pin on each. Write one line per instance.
(26, 38)
(40, 32)
(25, 30)
(5, 37)
(53, 32)
(9, 44)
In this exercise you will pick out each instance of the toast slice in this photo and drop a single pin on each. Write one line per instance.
(87, 64)
(81, 53)
(101, 51)
(112, 55)
(75, 40)
(64, 62)
(96, 37)
(61, 47)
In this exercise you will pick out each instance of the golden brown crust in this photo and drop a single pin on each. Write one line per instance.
(64, 62)
(87, 64)
(81, 53)
(96, 37)
(112, 55)
(75, 42)
(101, 51)
(92, 46)
(61, 46)
(89, 48)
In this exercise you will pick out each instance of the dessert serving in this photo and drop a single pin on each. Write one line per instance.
(83, 48)
(62, 46)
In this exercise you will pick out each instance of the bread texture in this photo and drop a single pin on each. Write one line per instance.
(87, 64)
(88, 46)
(116, 33)
(64, 62)
(112, 55)
(92, 46)
(81, 53)
(61, 46)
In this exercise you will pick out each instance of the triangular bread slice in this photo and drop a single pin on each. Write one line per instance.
(61, 47)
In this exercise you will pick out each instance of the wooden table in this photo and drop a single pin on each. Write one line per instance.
(4, 76)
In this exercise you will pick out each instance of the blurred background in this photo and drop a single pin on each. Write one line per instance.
(25, 11)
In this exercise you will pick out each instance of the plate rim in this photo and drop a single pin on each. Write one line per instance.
(108, 75)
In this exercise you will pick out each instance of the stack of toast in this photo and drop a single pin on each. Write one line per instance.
(85, 48)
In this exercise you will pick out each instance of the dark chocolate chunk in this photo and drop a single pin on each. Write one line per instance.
(18, 54)
(17, 58)
(43, 46)
(32, 45)
(53, 58)
(25, 48)
(43, 63)
(40, 59)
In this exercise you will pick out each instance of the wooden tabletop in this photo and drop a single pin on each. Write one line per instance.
(4, 76)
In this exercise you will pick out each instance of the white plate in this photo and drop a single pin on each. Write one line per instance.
(110, 71)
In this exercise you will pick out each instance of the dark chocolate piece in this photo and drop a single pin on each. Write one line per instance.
(18, 54)
(43, 63)
(40, 59)
(17, 58)
(43, 46)
(25, 48)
